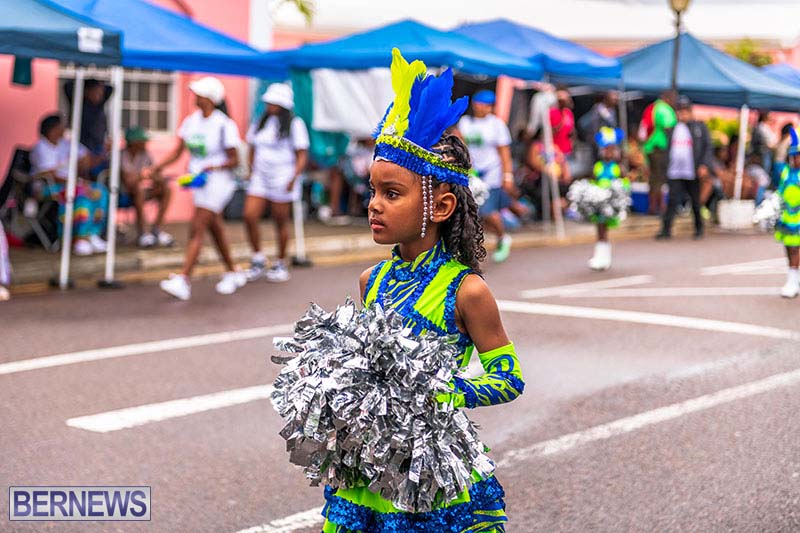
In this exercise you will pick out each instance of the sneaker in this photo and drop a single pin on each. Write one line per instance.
(256, 271)
(164, 239)
(147, 240)
(698, 235)
(99, 246)
(5, 295)
(503, 249)
(705, 213)
(177, 286)
(231, 282)
(278, 273)
(663, 236)
(790, 290)
(82, 247)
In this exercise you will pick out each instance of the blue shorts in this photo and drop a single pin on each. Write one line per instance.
(498, 199)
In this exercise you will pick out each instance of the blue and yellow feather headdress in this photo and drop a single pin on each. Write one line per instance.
(415, 121)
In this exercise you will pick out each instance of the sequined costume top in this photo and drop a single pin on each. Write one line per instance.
(605, 172)
(424, 292)
(787, 229)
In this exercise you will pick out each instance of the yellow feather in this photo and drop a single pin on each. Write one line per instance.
(403, 77)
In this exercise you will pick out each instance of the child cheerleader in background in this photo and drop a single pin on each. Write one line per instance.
(421, 202)
(787, 229)
(606, 171)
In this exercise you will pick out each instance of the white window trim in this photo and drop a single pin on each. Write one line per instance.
(67, 71)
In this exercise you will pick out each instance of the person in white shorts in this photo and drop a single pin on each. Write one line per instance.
(278, 156)
(211, 138)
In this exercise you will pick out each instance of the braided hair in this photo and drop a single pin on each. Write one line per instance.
(462, 233)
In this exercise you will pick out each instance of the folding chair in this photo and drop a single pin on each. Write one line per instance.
(20, 211)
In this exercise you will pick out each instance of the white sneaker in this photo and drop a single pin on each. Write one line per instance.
(256, 271)
(231, 282)
(5, 295)
(601, 260)
(147, 240)
(278, 273)
(177, 286)
(165, 239)
(82, 247)
(790, 290)
(99, 246)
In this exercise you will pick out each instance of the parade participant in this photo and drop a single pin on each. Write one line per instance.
(211, 138)
(605, 171)
(50, 160)
(421, 203)
(278, 156)
(787, 229)
(489, 143)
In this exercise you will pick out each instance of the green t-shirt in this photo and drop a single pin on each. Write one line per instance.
(664, 118)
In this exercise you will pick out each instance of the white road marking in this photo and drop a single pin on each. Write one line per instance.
(156, 412)
(659, 292)
(588, 286)
(744, 268)
(638, 317)
(567, 442)
(309, 518)
(649, 418)
(140, 348)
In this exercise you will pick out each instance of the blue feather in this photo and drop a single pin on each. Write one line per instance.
(431, 110)
(378, 129)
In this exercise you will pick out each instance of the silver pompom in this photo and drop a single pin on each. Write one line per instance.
(768, 211)
(357, 395)
(479, 190)
(590, 201)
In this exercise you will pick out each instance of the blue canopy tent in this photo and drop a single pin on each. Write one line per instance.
(705, 74)
(38, 28)
(436, 48)
(784, 72)
(157, 38)
(559, 57)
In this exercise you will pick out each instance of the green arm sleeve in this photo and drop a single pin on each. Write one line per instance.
(501, 383)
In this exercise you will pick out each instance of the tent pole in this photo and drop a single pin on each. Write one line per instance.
(743, 120)
(72, 178)
(623, 122)
(299, 258)
(113, 184)
(553, 183)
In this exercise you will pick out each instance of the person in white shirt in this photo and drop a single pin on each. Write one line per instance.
(489, 143)
(211, 138)
(278, 156)
(50, 160)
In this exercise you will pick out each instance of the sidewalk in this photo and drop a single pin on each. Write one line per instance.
(325, 245)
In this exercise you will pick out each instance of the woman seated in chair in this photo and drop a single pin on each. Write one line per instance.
(49, 160)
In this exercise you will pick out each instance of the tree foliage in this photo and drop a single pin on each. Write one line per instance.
(749, 51)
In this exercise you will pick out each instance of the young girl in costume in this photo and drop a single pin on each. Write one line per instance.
(787, 229)
(421, 203)
(605, 171)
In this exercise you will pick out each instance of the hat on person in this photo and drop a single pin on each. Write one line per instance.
(484, 97)
(136, 134)
(279, 94)
(608, 137)
(209, 87)
(684, 102)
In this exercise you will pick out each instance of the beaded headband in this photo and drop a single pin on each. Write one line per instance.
(420, 113)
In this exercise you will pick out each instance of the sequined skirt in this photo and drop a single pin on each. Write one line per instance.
(480, 510)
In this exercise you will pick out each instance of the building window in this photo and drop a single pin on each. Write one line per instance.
(148, 97)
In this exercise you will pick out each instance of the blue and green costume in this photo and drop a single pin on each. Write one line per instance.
(606, 172)
(787, 229)
(424, 293)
